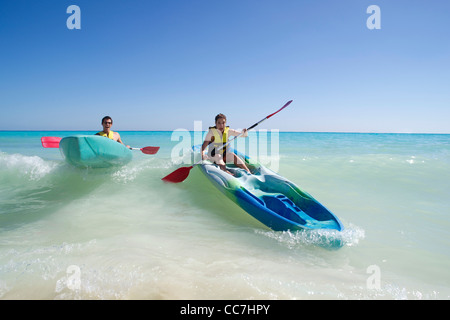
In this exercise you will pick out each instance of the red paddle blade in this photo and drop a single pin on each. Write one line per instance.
(150, 150)
(50, 142)
(287, 103)
(178, 175)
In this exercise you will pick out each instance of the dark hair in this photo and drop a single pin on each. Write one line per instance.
(107, 118)
(221, 116)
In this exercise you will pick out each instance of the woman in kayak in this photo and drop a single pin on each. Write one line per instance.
(217, 136)
(107, 123)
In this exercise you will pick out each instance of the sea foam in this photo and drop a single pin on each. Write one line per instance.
(32, 167)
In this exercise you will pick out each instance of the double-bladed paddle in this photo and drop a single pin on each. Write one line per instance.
(53, 142)
(182, 173)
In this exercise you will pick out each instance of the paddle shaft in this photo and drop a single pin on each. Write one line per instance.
(251, 127)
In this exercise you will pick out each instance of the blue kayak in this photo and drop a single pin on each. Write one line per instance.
(91, 151)
(270, 198)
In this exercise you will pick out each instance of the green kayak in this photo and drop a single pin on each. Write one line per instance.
(270, 198)
(91, 151)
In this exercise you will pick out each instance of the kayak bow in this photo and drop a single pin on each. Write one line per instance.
(270, 198)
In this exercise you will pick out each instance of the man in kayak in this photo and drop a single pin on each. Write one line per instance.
(217, 136)
(107, 123)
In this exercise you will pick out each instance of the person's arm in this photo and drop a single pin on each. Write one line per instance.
(120, 140)
(233, 132)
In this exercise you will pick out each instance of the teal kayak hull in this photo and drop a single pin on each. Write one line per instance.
(270, 198)
(91, 151)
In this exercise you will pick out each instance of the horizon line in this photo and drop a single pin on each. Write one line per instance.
(356, 132)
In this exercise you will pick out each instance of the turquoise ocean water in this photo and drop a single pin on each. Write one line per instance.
(68, 233)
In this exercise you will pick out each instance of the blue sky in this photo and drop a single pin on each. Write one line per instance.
(161, 65)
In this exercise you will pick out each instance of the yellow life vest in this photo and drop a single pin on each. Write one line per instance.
(218, 137)
(103, 134)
